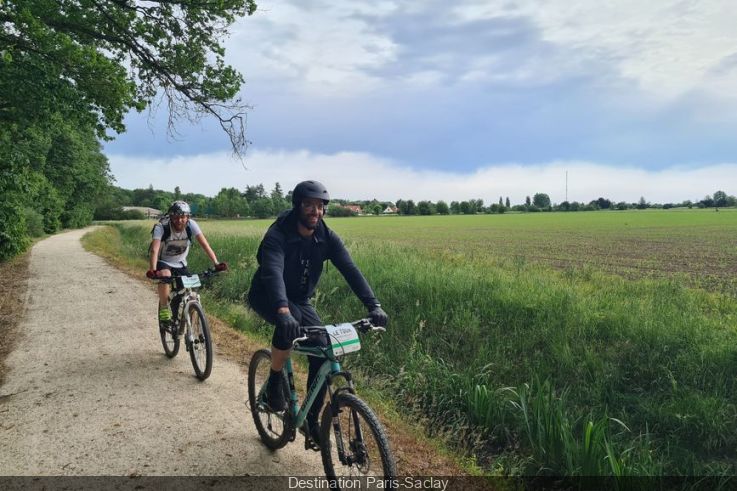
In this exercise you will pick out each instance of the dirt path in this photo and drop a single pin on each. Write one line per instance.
(88, 390)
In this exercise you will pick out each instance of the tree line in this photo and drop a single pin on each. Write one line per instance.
(254, 201)
(540, 202)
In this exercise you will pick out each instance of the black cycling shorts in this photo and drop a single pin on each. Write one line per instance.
(304, 313)
(183, 271)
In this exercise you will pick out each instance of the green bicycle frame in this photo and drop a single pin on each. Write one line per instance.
(330, 367)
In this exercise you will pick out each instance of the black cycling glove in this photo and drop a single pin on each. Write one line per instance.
(288, 327)
(377, 316)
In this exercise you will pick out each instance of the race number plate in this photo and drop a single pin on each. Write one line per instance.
(191, 281)
(343, 338)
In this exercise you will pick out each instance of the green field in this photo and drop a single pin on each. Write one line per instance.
(511, 337)
(699, 247)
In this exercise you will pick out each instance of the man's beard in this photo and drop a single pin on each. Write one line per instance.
(304, 219)
(306, 224)
(180, 229)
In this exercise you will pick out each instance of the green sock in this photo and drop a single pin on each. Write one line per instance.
(164, 314)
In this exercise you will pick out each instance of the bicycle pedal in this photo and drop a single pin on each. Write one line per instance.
(311, 444)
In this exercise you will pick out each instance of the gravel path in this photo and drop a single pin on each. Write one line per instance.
(90, 392)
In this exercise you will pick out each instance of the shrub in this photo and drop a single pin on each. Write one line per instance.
(34, 222)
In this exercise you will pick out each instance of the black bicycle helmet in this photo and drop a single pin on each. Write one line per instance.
(309, 189)
(179, 208)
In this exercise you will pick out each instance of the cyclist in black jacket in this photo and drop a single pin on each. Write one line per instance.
(290, 259)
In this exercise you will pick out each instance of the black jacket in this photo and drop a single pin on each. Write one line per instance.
(290, 266)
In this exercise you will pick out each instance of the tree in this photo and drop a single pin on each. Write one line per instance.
(527, 201)
(425, 208)
(707, 202)
(442, 208)
(94, 60)
(642, 204)
(540, 200)
(336, 210)
(455, 207)
(720, 198)
(506, 203)
(70, 70)
(262, 208)
(501, 203)
(254, 193)
(278, 203)
(50, 175)
(230, 203)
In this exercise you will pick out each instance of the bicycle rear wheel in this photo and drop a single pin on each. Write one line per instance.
(273, 427)
(353, 442)
(200, 346)
(169, 341)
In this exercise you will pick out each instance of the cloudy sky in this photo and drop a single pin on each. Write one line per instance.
(467, 99)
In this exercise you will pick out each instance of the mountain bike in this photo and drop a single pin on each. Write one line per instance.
(188, 320)
(353, 442)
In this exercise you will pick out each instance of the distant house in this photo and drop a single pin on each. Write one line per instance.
(389, 210)
(355, 209)
(147, 212)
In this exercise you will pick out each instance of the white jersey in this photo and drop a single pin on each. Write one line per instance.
(175, 248)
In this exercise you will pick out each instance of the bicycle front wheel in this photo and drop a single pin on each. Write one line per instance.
(272, 426)
(200, 344)
(353, 442)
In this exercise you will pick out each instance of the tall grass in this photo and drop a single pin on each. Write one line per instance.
(574, 373)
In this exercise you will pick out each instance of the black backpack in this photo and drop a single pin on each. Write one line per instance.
(164, 222)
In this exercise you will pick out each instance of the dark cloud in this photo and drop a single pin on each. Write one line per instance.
(431, 40)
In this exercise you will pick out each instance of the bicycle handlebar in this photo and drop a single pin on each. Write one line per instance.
(361, 325)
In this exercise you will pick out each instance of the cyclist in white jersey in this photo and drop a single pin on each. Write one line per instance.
(170, 242)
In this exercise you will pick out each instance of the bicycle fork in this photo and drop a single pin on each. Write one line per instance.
(188, 336)
(355, 448)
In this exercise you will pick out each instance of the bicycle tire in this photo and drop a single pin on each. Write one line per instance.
(170, 342)
(200, 349)
(273, 428)
(367, 451)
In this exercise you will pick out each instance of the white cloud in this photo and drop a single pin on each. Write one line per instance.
(363, 176)
(668, 48)
(309, 47)
(665, 48)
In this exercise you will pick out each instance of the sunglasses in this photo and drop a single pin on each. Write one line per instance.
(313, 206)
